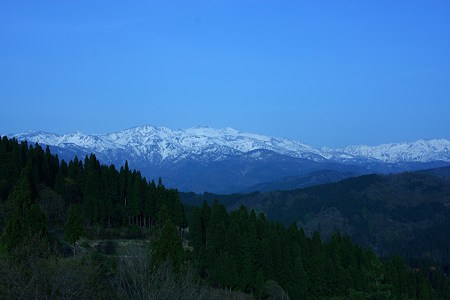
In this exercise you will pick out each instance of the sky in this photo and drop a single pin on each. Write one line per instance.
(327, 73)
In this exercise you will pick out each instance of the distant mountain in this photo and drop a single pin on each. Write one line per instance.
(227, 160)
(406, 214)
(418, 151)
(301, 181)
(443, 172)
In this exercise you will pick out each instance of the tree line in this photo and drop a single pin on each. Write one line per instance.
(104, 195)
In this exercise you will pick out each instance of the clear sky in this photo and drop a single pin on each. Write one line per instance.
(323, 72)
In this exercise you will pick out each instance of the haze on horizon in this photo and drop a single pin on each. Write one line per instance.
(324, 73)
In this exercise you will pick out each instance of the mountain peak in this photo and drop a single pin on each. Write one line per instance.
(228, 160)
(162, 143)
(202, 127)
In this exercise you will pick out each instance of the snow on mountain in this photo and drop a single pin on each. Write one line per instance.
(175, 144)
(159, 144)
(418, 151)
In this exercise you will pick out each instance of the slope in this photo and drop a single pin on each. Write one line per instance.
(406, 214)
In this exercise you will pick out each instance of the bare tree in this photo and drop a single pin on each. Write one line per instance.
(71, 278)
(23, 270)
(136, 279)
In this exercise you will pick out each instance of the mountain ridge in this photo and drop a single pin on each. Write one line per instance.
(227, 160)
(195, 140)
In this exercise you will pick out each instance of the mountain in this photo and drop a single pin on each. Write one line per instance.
(406, 214)
(443, 172)
(227, 160)
(301, 181)
(418, 151)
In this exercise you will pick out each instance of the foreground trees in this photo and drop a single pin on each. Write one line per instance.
(242, 251)
(25, 221)
(107, 198)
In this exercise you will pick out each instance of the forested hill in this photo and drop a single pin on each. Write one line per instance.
(406, 214)
(105, 196)
(47, 206)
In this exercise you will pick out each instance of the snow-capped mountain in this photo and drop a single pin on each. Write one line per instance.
(198, 154)
(418, 151)
(159, 144)
(162, 143)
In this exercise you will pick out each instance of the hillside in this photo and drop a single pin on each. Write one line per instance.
(406, 214)
(301, 181)
(129, 239)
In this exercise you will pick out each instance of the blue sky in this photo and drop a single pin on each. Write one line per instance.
(324, 72)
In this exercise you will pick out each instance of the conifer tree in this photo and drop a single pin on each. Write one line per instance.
(168, 246)
(197, 239)
(225, 271)
(216, 232)
(74, 227)
(25, 218)
(259, 284)
(150, 206)
(60, 183)
(163, 216)
(196, 230)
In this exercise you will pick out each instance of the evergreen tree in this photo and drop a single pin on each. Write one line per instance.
(150, 207)
(92, 194)
(316, 275)
(163, 216)
(216, 232)
(60, 183)
(168, 247)
(74, 227)
(225, 271)
(259, 284)
(110, 193)
(197, 230)
(197, 239)
(178, 210)
(25, 218)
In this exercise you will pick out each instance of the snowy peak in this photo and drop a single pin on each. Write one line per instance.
(227, 160)
(40, 137)
(418, 151)
(158, 144)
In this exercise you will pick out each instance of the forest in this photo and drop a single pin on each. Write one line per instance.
(406, 214)
(80, 229)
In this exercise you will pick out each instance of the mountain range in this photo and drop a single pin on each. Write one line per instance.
(227, 160)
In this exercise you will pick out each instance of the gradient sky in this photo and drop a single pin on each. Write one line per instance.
(323, 72)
